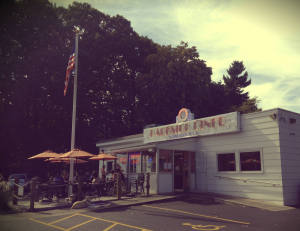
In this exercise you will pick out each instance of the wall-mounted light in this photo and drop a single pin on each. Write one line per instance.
(273, 116)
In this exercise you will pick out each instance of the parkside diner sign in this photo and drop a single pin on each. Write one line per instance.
(219, 124)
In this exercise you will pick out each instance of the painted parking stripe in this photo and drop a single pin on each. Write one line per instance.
(47, 224)
(52, 224)
(78, 225)
(116, 222)
(110, 227)
(199, 215)
(62, 219)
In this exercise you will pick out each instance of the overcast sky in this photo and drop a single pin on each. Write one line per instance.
(264, 34)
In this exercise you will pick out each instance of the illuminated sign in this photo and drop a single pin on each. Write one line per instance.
(184, 115)
(218, 124)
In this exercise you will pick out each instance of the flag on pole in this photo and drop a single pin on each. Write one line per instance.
(71, 65)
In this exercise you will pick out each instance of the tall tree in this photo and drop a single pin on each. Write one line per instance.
(175, 78)
(235, 82)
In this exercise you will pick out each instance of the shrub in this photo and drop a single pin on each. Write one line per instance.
(5, 196)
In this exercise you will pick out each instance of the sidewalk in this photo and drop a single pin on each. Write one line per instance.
(106, 203)
(102, 203)
(256, 203)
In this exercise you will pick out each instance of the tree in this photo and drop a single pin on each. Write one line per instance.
(175, 78)
(235, 81)
(125, 80)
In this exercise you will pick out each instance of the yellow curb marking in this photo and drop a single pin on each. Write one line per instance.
(205, 227)
(199, 215)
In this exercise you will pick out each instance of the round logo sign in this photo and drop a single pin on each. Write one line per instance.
(183, 115)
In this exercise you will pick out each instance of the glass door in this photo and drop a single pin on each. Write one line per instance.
(181, 171)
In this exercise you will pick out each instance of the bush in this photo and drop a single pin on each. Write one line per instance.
(5, 196)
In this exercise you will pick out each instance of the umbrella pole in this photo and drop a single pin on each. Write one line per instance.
(99, 170)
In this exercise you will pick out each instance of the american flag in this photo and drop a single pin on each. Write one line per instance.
(71, 65)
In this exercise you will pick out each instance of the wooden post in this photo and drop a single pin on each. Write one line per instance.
(33, 193)
(148, 183)
(15, 191)
(119, 192)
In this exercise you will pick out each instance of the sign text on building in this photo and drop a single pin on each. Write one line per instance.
(218, 124)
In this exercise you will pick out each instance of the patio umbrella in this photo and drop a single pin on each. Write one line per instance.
(75, 153)
(44, 155)
(65, 160)
(103, 156)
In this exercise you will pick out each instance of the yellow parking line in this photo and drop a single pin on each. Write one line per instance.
(83, 223)
(44, 223)
(115, 222)
(199, 215)
(62, 219)
(110, 227)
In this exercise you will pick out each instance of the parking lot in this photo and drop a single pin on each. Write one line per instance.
(172, 215)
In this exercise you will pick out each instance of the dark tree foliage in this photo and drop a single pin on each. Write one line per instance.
(235, 82)
(125, 81)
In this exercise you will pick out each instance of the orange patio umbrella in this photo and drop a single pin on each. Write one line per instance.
(76, 153)
(104, 156)
(65, 160)
(44, 155)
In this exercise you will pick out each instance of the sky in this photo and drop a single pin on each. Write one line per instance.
(264, 34)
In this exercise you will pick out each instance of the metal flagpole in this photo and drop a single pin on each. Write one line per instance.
(71, 174)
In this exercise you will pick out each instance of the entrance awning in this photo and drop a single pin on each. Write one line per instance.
(132, 149)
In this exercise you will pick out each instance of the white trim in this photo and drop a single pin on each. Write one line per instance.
(260, 150)
(237, 153)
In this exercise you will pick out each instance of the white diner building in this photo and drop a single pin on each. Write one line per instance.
(255, 155)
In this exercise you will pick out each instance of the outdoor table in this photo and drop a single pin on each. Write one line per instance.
(49, 190)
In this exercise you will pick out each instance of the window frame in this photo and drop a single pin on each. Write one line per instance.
(260, 156)
(238, 168)
(217, 161)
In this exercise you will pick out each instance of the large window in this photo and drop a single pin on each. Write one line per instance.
(149, 161)
(134, 162)
(250, 161)
(165, 160)
(122, 161)
(226, 162)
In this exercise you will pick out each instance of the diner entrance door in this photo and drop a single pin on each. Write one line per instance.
(181, 171)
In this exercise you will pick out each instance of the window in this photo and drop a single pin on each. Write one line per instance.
(148, 161)
(134, 162)
(122, 161)
(226, 162)
(165, 160)
(250, 161)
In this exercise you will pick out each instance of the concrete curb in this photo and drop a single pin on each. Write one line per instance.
(120, 206)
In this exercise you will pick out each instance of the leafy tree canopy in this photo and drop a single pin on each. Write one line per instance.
(125, 80)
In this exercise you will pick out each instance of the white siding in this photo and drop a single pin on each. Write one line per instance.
(290, 156)
(259, 132)
(165, 183)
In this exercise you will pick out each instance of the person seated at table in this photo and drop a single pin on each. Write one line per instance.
(96, 184)
(91, 177)
(58, 179)
(103, 172)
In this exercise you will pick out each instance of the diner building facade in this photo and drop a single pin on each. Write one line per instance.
(255, 155)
